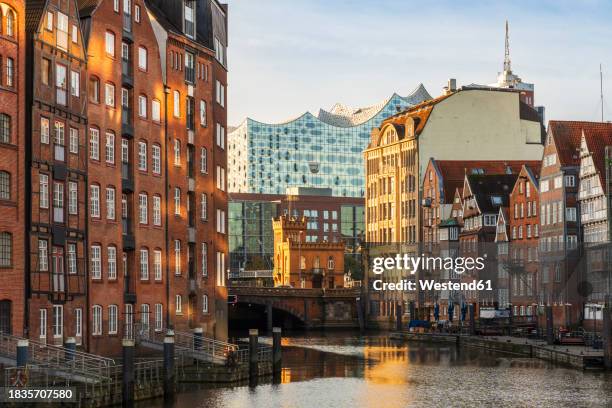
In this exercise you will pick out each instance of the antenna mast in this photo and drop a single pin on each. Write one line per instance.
(601, 92)
(507, 51)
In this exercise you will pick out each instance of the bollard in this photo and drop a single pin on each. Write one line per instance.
(253, 354)
(169, 388)
(198, 335)
(607, 337)
(127, 385)
(276, 349)
(22, 352)
(550, 338)
(472, 319)
(70, 347)
(398, 316)
(269, 317)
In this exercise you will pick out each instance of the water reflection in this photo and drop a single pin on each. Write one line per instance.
(350, 370)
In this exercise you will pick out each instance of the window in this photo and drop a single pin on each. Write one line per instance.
(157, 265)
(570, 214)
(94, 90)
(45, 71)
(116, 6)
(156, 110)
(42, 323)
(59, 141)
(96, 262)
(203, 161)
(177, 152)
(220, 178)
(75, 34)
(71, 258)
(220, 136)
(189, 22)
(75, 83)
(144, 264)
(61, 84)
(156, 210)
(78, 323)
(221, 221)
(110, 43)
(10, 23)
(142, 106)
(220, 269)
(49, 25)
(44, 130)
(112, 319)
(111, 254)
(190, 113)
(177, 201)
(58, 202)
(73, 198)
(570, 181)
(204, 207)
(159, 319)
(43, 191)
(137, 13)
(110, 203)
(144, 317)
(5, 185)
(10, 72)
(156, 158)
(6, 250)
(143, 208)
(203, 113)
(189, 67)
(177, 257)
(58, 320)
(94, 201)
(558, 182)
(110, 95)
(219, 51)
(43, 255)
(74, 141)
(178, 304)
(110, 147)
(220, 94)
(94, 144)
(96, 318)
(142, 156)
(177, 104)
(204, 259)
(142, 58)
(543, 186)
(204, 303)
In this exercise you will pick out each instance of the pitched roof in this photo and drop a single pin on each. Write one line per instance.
(568, 134)
(453, 171)
(86, 7)
(597, 138)
(34, 12)
(484, 187)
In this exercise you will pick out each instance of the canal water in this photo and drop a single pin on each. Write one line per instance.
(347, 369)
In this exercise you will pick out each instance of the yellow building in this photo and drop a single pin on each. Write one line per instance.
(302, 264)
(470, 123)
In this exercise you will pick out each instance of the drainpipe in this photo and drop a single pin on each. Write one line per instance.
(166, 231)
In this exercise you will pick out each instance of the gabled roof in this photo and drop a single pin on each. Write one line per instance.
(452, 172)
(597, 138)
(502, 220)
(87, 7)
(34, 12)
(485, 187)
(568, 135)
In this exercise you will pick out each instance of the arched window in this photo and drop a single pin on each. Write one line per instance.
(5, 185)
(10, 24)
(6, 249)
(5, 128)
(330, 263)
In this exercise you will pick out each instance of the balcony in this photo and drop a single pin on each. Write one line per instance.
(129, 242)
(127, 179)
(129, 293)
(127, 73)
(127, 27)
(127, 124)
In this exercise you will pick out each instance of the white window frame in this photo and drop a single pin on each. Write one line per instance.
(177, 257)
(156, 159)
(96, 261)
(113, 310)
(94, 201)
(43, 190)
(94, 143)
(143, 210)
(143, 58)
(159, 317)
(74, 141)
(58, 321)
(111, 262)
(157, 265)
(109, 43)
(144, 264)
(156, 210)
(111, 201)
(178, 304)
(96, 318)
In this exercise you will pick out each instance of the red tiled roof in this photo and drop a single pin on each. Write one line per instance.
(454, 171)
(568, 134)
(597, 138)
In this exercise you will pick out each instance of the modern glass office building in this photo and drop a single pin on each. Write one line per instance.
(310, 151)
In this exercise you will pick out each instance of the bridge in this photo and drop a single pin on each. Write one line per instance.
(310, 308)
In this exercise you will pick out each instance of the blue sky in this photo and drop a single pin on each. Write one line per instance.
(286, 57)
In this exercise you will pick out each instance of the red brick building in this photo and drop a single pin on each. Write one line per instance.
(13, 144)
(56, 107)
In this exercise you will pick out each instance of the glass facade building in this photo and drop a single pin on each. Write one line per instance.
(310, 151)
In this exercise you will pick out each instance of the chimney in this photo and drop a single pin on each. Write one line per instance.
(451, 87)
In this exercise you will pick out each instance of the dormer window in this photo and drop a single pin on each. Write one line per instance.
(189, 24)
